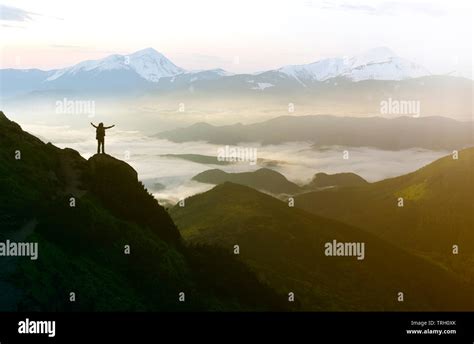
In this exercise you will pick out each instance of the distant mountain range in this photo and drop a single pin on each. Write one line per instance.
(148, 64)
(391, 134)
(147, 70)
(340, 86)
(376, 64)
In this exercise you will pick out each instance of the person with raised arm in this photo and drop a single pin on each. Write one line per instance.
(100, 136)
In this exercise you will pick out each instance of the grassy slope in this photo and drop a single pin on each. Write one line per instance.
(286, 247)
(438, 210)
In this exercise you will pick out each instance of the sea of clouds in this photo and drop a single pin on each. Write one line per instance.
(169, 179)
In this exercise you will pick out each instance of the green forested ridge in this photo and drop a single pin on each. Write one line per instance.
(437, 212)
(285, 246)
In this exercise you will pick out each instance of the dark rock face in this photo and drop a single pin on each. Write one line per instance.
(108, 169)
(116, 184)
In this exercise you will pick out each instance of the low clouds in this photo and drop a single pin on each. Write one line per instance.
(297, 160)
(14, 14)
(9, 16)
(386, 8)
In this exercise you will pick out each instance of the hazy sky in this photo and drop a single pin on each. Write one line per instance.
(239, 35)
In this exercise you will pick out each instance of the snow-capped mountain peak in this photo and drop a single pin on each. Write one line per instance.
(147, 69)
(148, 63)
(376, 64)
(152, 65)
(375, 55)
(147, 51)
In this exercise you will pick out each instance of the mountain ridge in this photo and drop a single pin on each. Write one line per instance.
(148, 63)
(436, 213)
(285, 246)
(376, 64)
(264, 179)
(327, 130)
(151, 70)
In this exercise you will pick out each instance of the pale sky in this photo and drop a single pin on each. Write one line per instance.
(239, 35)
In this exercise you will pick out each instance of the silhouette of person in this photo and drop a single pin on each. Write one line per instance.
(100, 136)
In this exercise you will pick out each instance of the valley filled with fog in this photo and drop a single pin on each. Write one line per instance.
(169, 178)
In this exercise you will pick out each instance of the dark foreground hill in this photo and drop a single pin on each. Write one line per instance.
(286, 247)
(103, 240)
